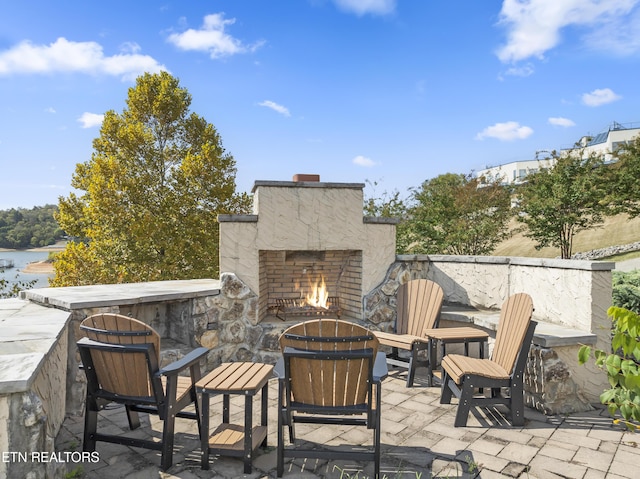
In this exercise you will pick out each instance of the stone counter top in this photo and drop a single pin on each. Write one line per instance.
(546, 334)
(29, 333)
(97, 296)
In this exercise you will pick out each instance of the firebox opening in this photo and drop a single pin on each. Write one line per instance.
(290, 280)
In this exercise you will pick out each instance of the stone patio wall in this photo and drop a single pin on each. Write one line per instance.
(570, 298)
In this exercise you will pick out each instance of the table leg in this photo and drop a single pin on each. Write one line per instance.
(248, 432)
(263, 415)
(204, 431)
(225, 409)
(432, 360)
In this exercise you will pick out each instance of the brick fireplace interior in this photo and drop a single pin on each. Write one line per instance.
(292, 275)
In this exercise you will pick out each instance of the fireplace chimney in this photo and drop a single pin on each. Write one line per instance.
(298, 178)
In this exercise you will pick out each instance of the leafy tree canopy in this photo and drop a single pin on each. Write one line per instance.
(23, 228)
(156, 181)
(457, 214)
(623, 194)
(558, 202)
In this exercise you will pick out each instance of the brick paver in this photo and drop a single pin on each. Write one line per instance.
(418, 442)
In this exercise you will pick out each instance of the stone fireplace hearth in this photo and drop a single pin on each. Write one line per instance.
(304, 232)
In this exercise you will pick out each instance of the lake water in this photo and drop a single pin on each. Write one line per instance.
(21, 259)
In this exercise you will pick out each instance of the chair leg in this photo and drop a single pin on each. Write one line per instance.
(133, 418)
(90, 427)
(411, 369)
(169, 423)
(517, 405)
(376, 433)
(445, 390)
(168, 430)
(280, 451)
(464, 404)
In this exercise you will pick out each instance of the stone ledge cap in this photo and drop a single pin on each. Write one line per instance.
(101, 295)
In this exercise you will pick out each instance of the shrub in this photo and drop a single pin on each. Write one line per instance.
(622, 366)
(626, 290)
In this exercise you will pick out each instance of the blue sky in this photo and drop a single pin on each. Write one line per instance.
(388, 91)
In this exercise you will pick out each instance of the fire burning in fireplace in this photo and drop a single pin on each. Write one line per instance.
(315, 302)
(318, 295)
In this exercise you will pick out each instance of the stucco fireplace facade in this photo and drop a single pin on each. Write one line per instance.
(302, 230)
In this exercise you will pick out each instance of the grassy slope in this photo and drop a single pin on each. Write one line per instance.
(616, 230)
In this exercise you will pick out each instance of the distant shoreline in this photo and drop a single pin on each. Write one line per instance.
(59, 246)
(38, 267)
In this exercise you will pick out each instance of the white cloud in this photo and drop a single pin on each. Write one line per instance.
(600, 96)
(508, 131)
(619, 36)
(275, 107)
(212, 38)
(89, 120)
(559, 121)
(534, 26)
(521, 71)
(363, 161)
(50, 110)
(362, 7)
(68, 56)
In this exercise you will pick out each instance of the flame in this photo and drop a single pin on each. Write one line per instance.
(318, 295)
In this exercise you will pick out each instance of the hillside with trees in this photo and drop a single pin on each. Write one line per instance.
(579, 204)
(22, 228)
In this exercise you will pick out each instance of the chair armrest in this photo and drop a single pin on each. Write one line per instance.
(380, 368)
(278, 369)
(181, 364)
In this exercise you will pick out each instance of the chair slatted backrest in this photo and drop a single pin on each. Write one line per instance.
(515, 316)
(330, 382)
(419, 303)
(125, 374)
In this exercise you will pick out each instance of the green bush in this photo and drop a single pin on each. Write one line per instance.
(622, 366)
(626, 290)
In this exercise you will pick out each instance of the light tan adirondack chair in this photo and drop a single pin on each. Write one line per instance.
(330, 373)
(419, 302)
(505, 369)
(121, 359)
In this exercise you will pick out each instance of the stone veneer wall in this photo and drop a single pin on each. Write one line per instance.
(567, 294)
(221, 315)
(32, 418)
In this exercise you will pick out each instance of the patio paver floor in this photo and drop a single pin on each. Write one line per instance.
(418, 442)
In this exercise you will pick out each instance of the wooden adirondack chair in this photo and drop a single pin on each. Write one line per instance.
(120, 356)
(330, 373)
(419, 302)
(505, 368)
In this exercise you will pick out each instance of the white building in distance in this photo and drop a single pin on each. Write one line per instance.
(608, 142)
(605, 143)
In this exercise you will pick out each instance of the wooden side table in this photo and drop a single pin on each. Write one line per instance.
(230, 439)
(444, 336)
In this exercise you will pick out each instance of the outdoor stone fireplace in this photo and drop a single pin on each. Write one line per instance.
(305, 235)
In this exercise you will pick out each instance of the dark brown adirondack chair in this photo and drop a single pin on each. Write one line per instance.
(505, 368)
(419, 302)
(120, 356)
(330, 373)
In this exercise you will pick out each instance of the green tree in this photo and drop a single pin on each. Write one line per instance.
(155, 183)
(558, 202)
(623, 192)
(389, 205)
(457, 214)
